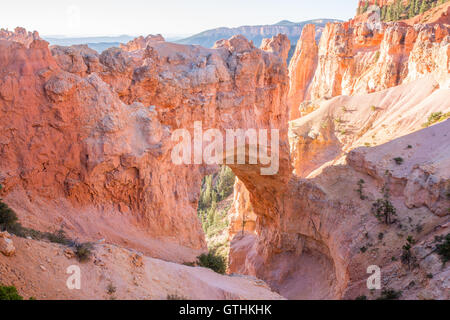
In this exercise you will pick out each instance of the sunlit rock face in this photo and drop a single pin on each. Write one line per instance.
(141, 42)
(20, 35)
(358, 57)
(86, 138)
(302, 68)
(279, 45)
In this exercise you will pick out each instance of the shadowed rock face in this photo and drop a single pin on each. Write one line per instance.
(309, 242)
(86, 138)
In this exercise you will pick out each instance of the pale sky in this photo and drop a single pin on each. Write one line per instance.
(168, 17)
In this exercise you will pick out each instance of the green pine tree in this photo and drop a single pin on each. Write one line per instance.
(383, 13)
(366, 6)
(401, 10)
(417, 7)
(424, 7)
(389, 16)
(411, 8)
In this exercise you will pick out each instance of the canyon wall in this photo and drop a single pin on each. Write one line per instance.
(302, 68)
(319, 237)
(356, 57)
(86, 138)
(86, 144)
(358, 99)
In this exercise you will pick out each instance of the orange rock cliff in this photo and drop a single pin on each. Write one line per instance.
(354, 58)
(90, 133)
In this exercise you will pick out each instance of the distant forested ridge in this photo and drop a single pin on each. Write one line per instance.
(395, 10)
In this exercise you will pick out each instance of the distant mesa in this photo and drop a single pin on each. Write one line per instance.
(98, 44)
(256, 33)
(206, 38)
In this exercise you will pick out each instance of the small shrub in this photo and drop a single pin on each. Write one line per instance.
(429, 276)
(361, 298)
(377, 56)
(83, 251)
(58, 237)
(9, 222)
(419, 228)
(18, 230)
(111, 289)
(9, 293)
(409, 146)
(398, 160)
(390, 294)
(436, 117)
(8, 218)
(407, 256)
(410, 240)
(363, 249)
(380, 236)
(443, 248)
(189, 264)
(175, 296)
(384, 210)
(212, 261)
(373, 108)
(344, 109)
(360, 189)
